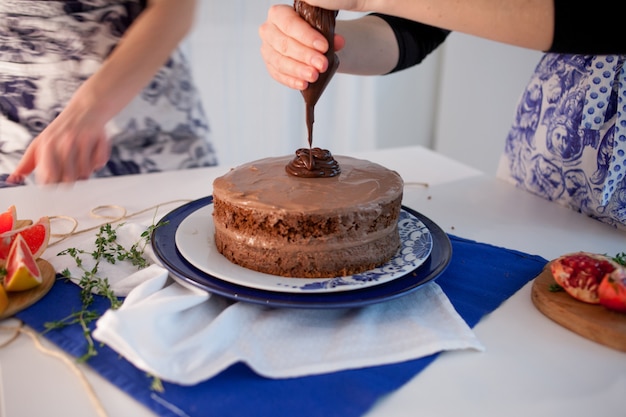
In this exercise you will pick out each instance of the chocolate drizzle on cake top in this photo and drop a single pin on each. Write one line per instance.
(324, 165)
(324, 21)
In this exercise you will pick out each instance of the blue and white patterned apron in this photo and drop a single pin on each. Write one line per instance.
(568, 141)
(48, 48)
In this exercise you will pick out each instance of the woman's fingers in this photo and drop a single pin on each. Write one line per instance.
(65, 158)
(293, 51)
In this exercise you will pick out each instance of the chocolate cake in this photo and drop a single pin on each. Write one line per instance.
(272, 221)
(312, 216)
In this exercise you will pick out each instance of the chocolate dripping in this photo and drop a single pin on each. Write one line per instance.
(324, 21)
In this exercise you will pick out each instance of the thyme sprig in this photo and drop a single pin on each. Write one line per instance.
(620, 258)
(110, 251)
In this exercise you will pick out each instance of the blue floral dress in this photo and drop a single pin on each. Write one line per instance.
(568, 141)
(48, 48)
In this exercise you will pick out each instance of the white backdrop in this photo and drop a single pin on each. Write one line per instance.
(459, 101)
(481, 82)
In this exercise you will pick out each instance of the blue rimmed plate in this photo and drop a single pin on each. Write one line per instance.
(195, 242)
(164, 243)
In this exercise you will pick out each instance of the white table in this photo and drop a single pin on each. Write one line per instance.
(531, 366)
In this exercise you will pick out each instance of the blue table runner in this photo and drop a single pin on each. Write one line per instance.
(479, 278)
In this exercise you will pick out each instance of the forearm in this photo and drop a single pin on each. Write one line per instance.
(525, 23)
(381, 44)
(143, 49)
(371, 46)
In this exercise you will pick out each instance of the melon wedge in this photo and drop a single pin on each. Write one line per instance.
(35, 235)
(22, 270)
(8, 219)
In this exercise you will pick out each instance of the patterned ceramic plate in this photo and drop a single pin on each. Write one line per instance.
(195, 241)
(166, 250)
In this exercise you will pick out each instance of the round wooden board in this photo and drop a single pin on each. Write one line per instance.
(19, 300)
(591, 321)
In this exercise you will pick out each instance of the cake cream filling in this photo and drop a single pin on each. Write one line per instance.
(318, 244)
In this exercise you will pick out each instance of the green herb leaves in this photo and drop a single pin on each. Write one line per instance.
(107, 249)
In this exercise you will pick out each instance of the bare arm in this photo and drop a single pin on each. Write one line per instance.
(74, 144)
(373, 48)
(293, 51)
(144, 48)
(525, 23)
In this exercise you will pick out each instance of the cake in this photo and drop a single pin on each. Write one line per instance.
(277, 223)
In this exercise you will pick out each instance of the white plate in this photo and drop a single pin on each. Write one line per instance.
(195, 241)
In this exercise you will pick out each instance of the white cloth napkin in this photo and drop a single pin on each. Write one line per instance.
(185, 336)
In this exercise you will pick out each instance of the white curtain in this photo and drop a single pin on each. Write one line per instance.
(252, 116)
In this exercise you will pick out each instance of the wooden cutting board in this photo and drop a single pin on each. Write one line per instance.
(19, 300)
(591, 321)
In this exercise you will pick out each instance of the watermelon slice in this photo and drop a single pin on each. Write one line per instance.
(36, 236)
(22, 270)
(8, 219)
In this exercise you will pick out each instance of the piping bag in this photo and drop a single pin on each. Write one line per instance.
(324, 21)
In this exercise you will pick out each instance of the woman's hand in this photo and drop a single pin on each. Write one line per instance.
(71, 148)
(74, 145)
(293, 51)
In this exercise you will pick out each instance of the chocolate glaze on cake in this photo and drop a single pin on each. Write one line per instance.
(313, 163)
(270, 221)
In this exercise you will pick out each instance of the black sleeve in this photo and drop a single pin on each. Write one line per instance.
(415, 40)
(594, 28)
